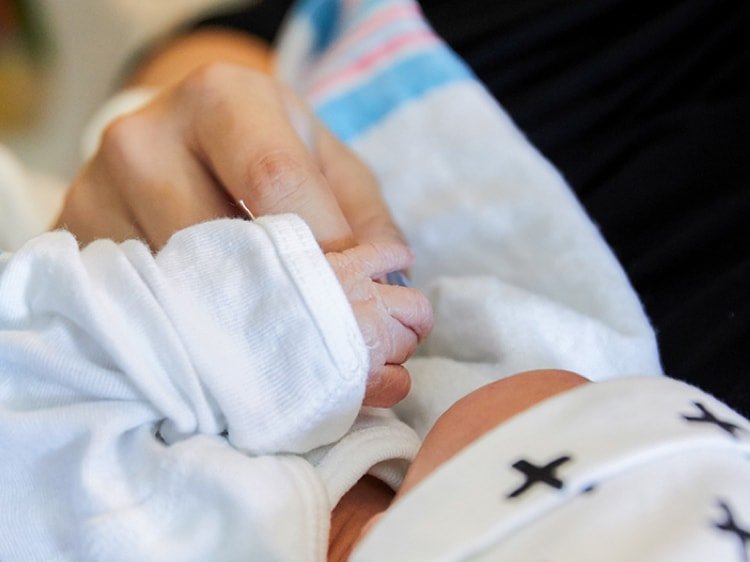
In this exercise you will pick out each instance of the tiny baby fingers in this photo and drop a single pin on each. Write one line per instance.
(387, 386)
(376, 259)
(409, 307)
(402, 342)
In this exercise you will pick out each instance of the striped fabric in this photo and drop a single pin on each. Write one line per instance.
(363, 59)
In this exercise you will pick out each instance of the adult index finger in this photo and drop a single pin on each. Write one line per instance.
(353, 184)
(238, 125)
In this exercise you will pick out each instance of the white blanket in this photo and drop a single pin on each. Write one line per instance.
(517, 274)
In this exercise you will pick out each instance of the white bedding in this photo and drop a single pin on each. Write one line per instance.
(518, 276)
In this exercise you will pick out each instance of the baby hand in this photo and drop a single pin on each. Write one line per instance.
(393, 320)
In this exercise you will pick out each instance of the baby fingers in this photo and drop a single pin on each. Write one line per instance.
(410, 307)
(387, 386)
(392, 319)
(376, 259)
(404, 317)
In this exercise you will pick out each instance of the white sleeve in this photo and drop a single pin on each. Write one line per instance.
(233, 327)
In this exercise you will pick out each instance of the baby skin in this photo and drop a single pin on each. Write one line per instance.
(464, 422)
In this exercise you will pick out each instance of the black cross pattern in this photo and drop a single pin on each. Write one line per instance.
(729, 525)
(535, 474)
(708, 417)
(589, 489)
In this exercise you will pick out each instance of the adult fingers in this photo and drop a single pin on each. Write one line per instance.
(240, 128)
(353, 184)
(177, 194)
(93, 208)
(159, 182)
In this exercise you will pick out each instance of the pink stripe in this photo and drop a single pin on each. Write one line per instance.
(372, 24)
(362, 64)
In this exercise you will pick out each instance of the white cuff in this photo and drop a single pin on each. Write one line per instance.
(378, 444)
(126, 101)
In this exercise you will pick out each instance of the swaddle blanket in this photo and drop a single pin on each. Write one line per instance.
(518, 276)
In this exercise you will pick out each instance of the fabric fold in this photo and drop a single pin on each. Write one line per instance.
(146, 402)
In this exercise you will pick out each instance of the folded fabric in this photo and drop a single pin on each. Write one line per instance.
(138, 391)
(518, 275)
(646, 469)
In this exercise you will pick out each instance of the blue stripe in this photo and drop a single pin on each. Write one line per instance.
(324, 18)
(355, 111)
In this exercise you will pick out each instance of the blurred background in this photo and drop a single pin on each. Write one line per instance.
(60, 59)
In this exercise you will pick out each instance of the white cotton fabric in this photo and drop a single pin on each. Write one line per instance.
(518, 276)
(641, 483)
(121, 372)
(120, 343)
(242, 328)
(185, 331)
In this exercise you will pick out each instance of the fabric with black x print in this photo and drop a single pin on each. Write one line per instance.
(646, 469)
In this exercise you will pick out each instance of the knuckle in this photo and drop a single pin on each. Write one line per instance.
(213, 84)
(276, 178)
(420, 316)
(369, 256)
(424, 312)
(376, 255)
(211, 90)
(208, 83)
(375, 337)
(122, 141)
(405, 346)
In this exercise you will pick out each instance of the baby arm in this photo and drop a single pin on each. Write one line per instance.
(234, 328)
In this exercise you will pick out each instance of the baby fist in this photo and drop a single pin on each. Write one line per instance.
(393, 320)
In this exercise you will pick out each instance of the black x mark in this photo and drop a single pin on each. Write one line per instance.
(708, 417)
(731, 526)
(534, 474)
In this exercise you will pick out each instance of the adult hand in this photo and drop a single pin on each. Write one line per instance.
(464, 422)
(393, 320)
(222, 135)
(227, 134)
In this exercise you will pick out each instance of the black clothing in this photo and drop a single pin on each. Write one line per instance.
(645, 108)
